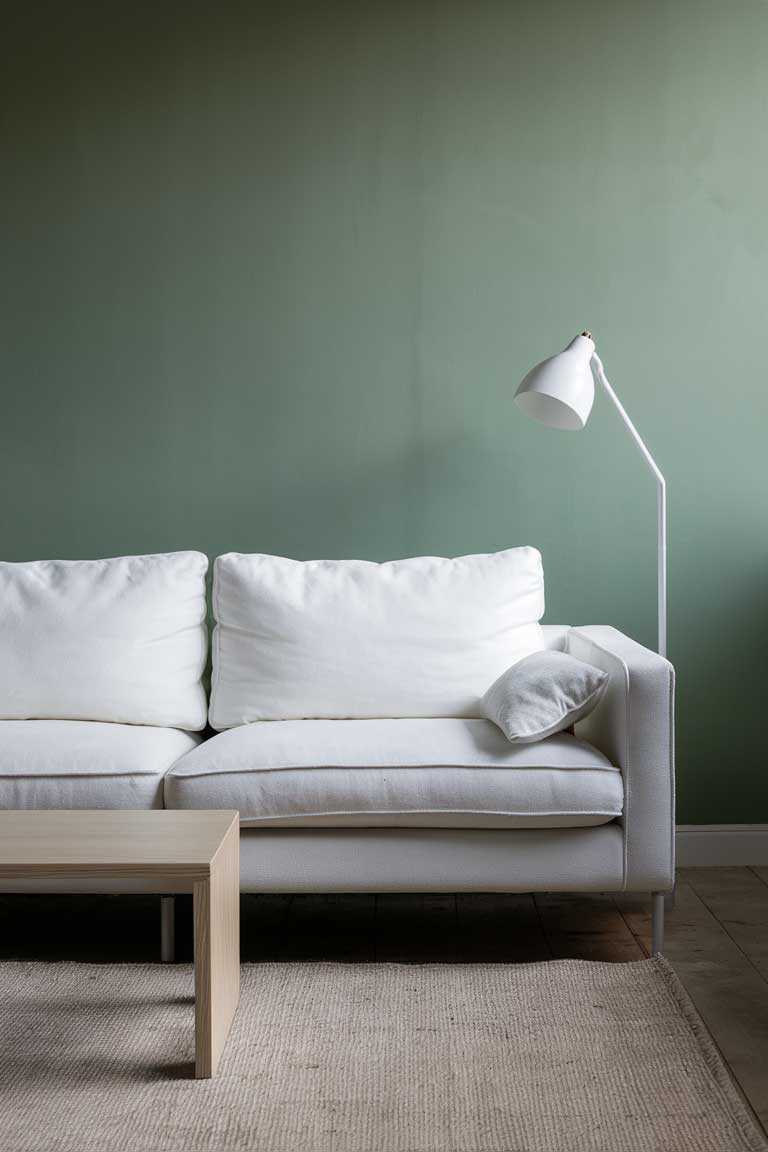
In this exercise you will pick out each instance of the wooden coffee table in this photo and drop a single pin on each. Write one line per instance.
(151, 851)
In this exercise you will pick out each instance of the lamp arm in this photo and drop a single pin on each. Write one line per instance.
(661, 501)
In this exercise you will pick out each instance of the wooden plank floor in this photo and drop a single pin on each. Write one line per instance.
(717, 940)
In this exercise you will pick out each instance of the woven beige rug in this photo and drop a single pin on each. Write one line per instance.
(365, 1058)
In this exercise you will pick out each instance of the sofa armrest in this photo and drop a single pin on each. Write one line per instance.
(633, 725)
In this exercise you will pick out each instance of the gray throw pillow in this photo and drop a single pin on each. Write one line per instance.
(542, 694)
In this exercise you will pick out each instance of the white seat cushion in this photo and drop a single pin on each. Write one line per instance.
(85, 764)
(352, 640)
(445, 773)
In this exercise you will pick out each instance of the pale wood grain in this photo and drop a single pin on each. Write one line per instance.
(217, 953)
(130, 843)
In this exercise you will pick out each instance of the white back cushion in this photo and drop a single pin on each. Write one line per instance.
(122, 640)
(349, 639)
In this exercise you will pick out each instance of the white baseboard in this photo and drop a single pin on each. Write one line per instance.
(711, 845)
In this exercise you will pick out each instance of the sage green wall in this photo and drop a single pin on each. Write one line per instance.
(270, 274)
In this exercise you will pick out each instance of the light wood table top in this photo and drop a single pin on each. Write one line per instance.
(121, 842)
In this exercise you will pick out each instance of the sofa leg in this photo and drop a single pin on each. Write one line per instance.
(657, 922)
(167, 929)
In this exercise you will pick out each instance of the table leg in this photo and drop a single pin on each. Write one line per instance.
(217, 954)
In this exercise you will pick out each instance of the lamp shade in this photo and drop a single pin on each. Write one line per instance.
(560, 391)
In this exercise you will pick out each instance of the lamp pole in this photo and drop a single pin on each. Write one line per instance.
(661, 499)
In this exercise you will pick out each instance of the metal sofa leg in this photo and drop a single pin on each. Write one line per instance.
(167, 929)
(657, 922)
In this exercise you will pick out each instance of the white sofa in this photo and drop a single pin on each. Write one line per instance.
(351, 737)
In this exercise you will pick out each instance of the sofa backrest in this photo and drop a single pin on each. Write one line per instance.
(121, 640)
(335, 639)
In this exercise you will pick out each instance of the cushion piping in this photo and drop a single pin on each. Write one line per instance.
(391, 768)
(428, 812)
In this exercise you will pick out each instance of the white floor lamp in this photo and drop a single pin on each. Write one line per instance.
(560, 392)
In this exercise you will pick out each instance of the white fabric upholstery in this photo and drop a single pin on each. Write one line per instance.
(352, 639)
(431, 860)
(435, 772)
(555, 637)
(121, 640)
(82, 764)
(633, 725)
(541, 694)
